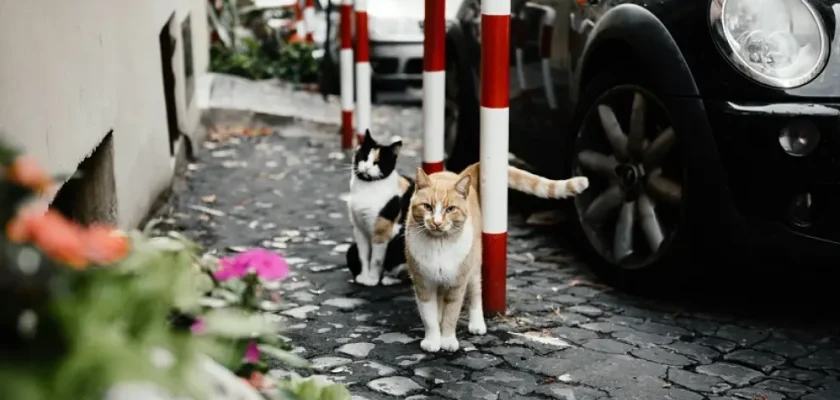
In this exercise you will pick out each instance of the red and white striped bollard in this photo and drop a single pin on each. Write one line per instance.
(434, 84)
(363, 72)
(346, 72)
(545, 53)
(494, 120)
(309, 20)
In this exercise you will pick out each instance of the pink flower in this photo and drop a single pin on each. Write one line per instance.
(197, 326)
(252, 353)
(265, 264)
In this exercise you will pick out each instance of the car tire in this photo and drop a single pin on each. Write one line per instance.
(666, 265)
(461, 129)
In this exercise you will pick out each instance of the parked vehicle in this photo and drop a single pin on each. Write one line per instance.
(701, 124)
(395, 29)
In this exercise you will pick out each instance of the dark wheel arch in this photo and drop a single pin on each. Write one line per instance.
(633, 29)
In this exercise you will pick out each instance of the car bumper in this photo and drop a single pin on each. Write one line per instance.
(788, 201)
(397, 64)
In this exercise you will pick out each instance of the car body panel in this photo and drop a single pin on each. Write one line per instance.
(673, 44)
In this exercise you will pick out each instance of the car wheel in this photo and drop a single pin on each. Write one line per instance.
(460, 117)
(632, 216)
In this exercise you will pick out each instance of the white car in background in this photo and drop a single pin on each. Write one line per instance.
(395, 29)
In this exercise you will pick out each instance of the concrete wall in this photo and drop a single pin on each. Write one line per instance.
(73, 71)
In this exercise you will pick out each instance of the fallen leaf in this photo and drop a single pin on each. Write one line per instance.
(581, 282)
(207, 210)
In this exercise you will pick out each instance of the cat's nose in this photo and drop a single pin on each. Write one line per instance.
(437, 224)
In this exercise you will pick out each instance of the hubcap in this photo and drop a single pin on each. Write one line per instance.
(632, 207)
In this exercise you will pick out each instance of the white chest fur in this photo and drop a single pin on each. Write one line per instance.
(368, 198)
(440, 260)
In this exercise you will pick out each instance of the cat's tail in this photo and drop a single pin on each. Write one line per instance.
(526, 182)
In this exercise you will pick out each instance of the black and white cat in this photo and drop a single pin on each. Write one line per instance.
(378, 204)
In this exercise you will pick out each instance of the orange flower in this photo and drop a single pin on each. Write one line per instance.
(19, 228)
(60, 239)
(26, 171)
(105, 245)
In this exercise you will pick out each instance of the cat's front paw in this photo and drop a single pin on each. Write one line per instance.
(477, 326)
(367, 280)
(449, 343)
(430, 344)
(388, 281)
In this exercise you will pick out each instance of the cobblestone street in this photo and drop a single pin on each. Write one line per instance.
(566, 337)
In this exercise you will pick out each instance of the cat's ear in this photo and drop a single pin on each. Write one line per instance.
(422, 180)
(463, 186)
(368, 139)
(396, 146)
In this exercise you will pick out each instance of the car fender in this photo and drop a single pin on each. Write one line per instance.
(641, 33)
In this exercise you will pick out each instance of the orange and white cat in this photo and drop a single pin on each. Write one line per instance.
(443, 245)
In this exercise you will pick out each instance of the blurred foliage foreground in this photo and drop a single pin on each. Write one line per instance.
(90, 312)
(244, 44)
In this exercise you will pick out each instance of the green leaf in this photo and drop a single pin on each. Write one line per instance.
(233, 323)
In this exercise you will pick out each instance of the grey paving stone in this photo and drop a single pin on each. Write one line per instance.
(732, 373)
(697, 352)
(623, 320)
(566, 392)
(642, 339)
(820, 359)
(752, 394)
(802, 375)
(574, 335)
(569, 318)
(394, 386)
(778, 385)
(465, 390)
(370, 368)
(358, 350)
(697, 382)
(605, 327)
(521, 382)
(477, 361)
(757, 359)
(721, 345)
(608, 346)
(566, 299)
(662, 356)
(440, 373)
(784, 348)
(742, 336)
(699, 326)
(586, 310)
(661, 329)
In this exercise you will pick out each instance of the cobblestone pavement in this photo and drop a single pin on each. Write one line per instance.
(565, 337)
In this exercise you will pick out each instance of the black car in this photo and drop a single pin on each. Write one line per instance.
(704, 126)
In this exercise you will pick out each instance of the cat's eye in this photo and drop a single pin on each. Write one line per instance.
(451, 209)
(427, 206)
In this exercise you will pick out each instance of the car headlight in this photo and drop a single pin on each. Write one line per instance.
(779, 43)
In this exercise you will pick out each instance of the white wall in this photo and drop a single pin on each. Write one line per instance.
(71, 71)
